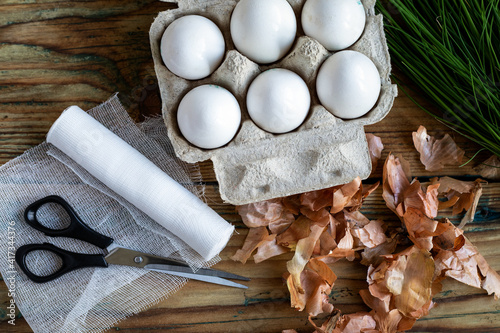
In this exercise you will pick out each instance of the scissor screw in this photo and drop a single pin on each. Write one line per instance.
(138, 260)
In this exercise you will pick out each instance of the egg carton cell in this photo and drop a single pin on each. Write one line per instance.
(257, 165)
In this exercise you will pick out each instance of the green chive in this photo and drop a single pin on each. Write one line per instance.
(451, 51)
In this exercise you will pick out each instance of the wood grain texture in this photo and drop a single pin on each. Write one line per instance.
(57, 53)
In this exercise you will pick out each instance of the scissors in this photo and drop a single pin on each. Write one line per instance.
(113, 254)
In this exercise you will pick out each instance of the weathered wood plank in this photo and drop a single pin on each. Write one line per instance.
(56, 54)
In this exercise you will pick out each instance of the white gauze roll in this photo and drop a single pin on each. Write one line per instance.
(131, 175)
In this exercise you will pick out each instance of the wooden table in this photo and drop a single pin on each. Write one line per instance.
(56, 54)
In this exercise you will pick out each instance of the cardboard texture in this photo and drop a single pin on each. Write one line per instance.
(256, 165)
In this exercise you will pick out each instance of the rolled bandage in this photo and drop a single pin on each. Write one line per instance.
(138, 180)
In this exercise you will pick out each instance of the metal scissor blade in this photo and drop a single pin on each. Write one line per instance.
(123, 256)
(221, 274)
(187, 272)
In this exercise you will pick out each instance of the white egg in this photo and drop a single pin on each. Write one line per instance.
(192, 47)
(336, 24)
(209, 116)
(263, 30)
(278, 100)
(348, 84)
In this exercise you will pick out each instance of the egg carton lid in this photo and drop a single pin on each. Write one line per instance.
(256, 165)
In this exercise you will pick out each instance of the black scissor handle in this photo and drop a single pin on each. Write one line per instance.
(76, 229)
(70, 261)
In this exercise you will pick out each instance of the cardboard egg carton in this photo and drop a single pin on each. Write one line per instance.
(256, 165)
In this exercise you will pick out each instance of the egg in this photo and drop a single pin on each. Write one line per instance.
(263, 30)
(278, 100)
(336, 24)
(192, 47)
(348, 84)
(208, 116)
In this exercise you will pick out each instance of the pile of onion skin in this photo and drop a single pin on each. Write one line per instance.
(325, 226)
